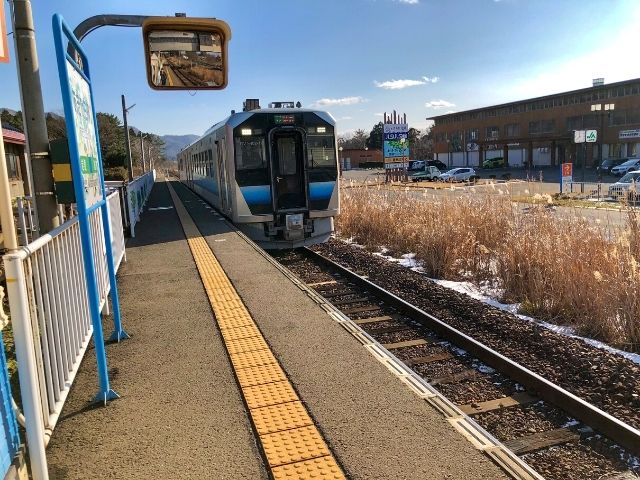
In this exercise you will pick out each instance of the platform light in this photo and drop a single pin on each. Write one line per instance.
(245, 131)
(322, 130)
(610, 106)
(596, 107)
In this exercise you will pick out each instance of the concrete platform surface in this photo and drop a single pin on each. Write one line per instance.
(375, 425)
(181, 414)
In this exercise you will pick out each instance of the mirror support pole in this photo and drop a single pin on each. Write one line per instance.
(87, 26)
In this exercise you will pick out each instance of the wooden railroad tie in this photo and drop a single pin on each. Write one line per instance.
(436, 357)
(538, 441)
(350, 301)
(406, 343)
(370, 308)
(481, 407)
(383, 318)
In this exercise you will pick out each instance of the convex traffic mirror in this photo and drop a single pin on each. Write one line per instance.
(186, 53)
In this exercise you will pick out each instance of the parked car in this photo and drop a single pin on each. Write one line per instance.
(620, 189)
(497, 162)
(429, 173)
(438, 164)
(626, 167)
(460, 174)
(609, 163)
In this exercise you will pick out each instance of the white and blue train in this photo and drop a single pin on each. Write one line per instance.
(273, 172)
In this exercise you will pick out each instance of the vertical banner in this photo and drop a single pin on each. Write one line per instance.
(88, 184)
(4, 49)
(566, 176)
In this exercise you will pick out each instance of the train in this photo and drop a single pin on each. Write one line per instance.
(273, 172)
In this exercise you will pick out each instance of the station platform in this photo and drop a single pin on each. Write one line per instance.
(233, 372)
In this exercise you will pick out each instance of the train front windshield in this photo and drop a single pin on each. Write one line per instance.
(285, 162)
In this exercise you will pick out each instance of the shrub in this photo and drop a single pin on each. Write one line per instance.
(564, 270)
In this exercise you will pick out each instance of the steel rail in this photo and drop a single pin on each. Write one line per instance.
(610, 426)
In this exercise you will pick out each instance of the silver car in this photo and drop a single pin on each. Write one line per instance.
(460, 174)
(631, 181)
(626, 167)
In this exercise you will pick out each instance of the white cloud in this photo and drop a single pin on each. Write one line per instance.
(408, 2)
(379, 114)
(438, 104)
(400, 84)
(338, 102)
(345, 118)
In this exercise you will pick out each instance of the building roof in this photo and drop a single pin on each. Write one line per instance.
(544, 97)
(13, 136)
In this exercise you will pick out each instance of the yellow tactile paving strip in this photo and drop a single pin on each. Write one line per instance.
(292, 444)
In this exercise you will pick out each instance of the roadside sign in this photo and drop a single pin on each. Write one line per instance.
(4, 50)
(622, 134)
(566, 176)
(591, 136)
(579, 136)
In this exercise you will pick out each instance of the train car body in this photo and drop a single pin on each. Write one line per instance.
(273, 172)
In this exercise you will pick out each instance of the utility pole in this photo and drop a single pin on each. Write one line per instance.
(127, 144)
(142, 151)
(35, 124)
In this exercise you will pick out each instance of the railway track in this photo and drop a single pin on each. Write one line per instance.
(554, 431)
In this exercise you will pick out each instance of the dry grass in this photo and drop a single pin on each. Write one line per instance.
(563, 270)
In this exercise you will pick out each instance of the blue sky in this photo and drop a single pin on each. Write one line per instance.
(354, 58)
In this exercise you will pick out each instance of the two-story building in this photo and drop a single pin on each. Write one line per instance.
(539, 131)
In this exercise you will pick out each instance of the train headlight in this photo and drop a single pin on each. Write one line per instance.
(245, 131)
(322, 130)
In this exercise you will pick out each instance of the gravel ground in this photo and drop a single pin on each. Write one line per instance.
(604, 379)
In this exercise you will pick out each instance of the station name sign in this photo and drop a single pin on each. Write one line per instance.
(629, 134)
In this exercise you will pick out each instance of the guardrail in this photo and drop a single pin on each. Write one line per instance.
(50, 315)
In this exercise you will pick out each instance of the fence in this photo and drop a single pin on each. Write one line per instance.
(51, 319)
(137, 194)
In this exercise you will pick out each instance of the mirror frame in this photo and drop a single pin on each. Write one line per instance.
(187, 24)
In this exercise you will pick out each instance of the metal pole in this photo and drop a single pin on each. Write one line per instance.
(6, 210)
(35, 124)
(27, 370)
(127, 144)
(142, 152)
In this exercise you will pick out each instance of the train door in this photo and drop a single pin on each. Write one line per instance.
(287, 167)
(223, 182)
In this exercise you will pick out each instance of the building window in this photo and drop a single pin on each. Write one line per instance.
(473, 134)
(12, 165)
(574, 123)
(542, 126)
(493, 132)
(512, 130)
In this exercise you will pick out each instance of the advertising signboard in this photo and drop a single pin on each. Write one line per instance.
(85, 130)
(396, 145)
(566, 176)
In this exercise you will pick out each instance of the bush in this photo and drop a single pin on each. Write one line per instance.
(115, 173)
(565, 271)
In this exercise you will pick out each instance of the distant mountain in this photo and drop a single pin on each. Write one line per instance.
(12, 112)
(174, 143)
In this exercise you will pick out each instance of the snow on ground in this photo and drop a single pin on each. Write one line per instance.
(487, 295)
